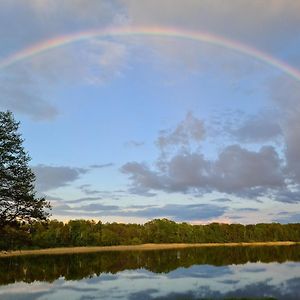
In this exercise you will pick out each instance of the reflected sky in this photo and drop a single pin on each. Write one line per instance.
(279, 280)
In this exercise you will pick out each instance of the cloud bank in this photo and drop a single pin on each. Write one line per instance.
(236, 170)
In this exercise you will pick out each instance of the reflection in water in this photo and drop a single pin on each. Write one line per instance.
(170, 274)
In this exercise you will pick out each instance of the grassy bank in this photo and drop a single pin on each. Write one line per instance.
(143, 247)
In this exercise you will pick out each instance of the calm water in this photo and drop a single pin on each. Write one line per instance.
(214, 273)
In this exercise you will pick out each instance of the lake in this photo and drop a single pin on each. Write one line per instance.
(194, 273)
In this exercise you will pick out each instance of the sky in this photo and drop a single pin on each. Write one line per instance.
(133, 110)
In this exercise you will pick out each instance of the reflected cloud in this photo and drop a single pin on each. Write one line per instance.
(145, 295)
(229, 281)
(213, 273)
(254, 270)
(203, 271)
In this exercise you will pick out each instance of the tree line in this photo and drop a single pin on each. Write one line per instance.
(90, 233)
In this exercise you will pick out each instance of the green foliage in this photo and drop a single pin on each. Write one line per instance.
(161, 231)
(17, 196)
(89, 233)
(15, 237)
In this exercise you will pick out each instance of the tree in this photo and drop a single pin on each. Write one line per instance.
(18, 201)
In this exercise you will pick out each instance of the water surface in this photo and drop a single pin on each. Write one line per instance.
(194, 273)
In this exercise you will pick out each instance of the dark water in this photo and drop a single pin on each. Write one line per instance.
(200, 273)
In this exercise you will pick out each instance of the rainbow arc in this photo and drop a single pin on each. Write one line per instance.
(203, 37)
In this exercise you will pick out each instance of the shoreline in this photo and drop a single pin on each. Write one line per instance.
(142, 247)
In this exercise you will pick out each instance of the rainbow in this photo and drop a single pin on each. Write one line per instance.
(203, 37)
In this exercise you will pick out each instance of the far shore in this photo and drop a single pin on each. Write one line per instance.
(143, 247)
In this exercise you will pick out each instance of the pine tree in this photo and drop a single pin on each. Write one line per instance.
(18, 201)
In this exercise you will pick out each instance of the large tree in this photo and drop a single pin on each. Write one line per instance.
(18, 201)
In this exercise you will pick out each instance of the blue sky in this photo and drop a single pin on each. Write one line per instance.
(134, 128)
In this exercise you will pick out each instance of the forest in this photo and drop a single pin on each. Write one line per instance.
(53, 233)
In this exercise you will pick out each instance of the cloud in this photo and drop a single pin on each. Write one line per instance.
(222, 200)
(101, 166)
(134, 144)
(20, 94)
(189, 212)
(201, 271)
(95, 61)
(99, 60)
(24, 85)
(254, 270)
(52, 177)
(103, 60)
(236, 171)
(260, 128)
(97, 207)
(88, 190)
(142, 177)
(81, 200)
(51, 17)
(287, 195)
(92, 210)
(79, 12)
(191, 129)
(273, 32)
(229, 281)
(247, 209)
(175, 212)
(286, 95)
(226, 18)
(270, 171)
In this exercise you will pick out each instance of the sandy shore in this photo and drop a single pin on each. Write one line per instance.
(144, 247)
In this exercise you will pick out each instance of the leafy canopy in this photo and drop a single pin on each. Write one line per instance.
(18, 201)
